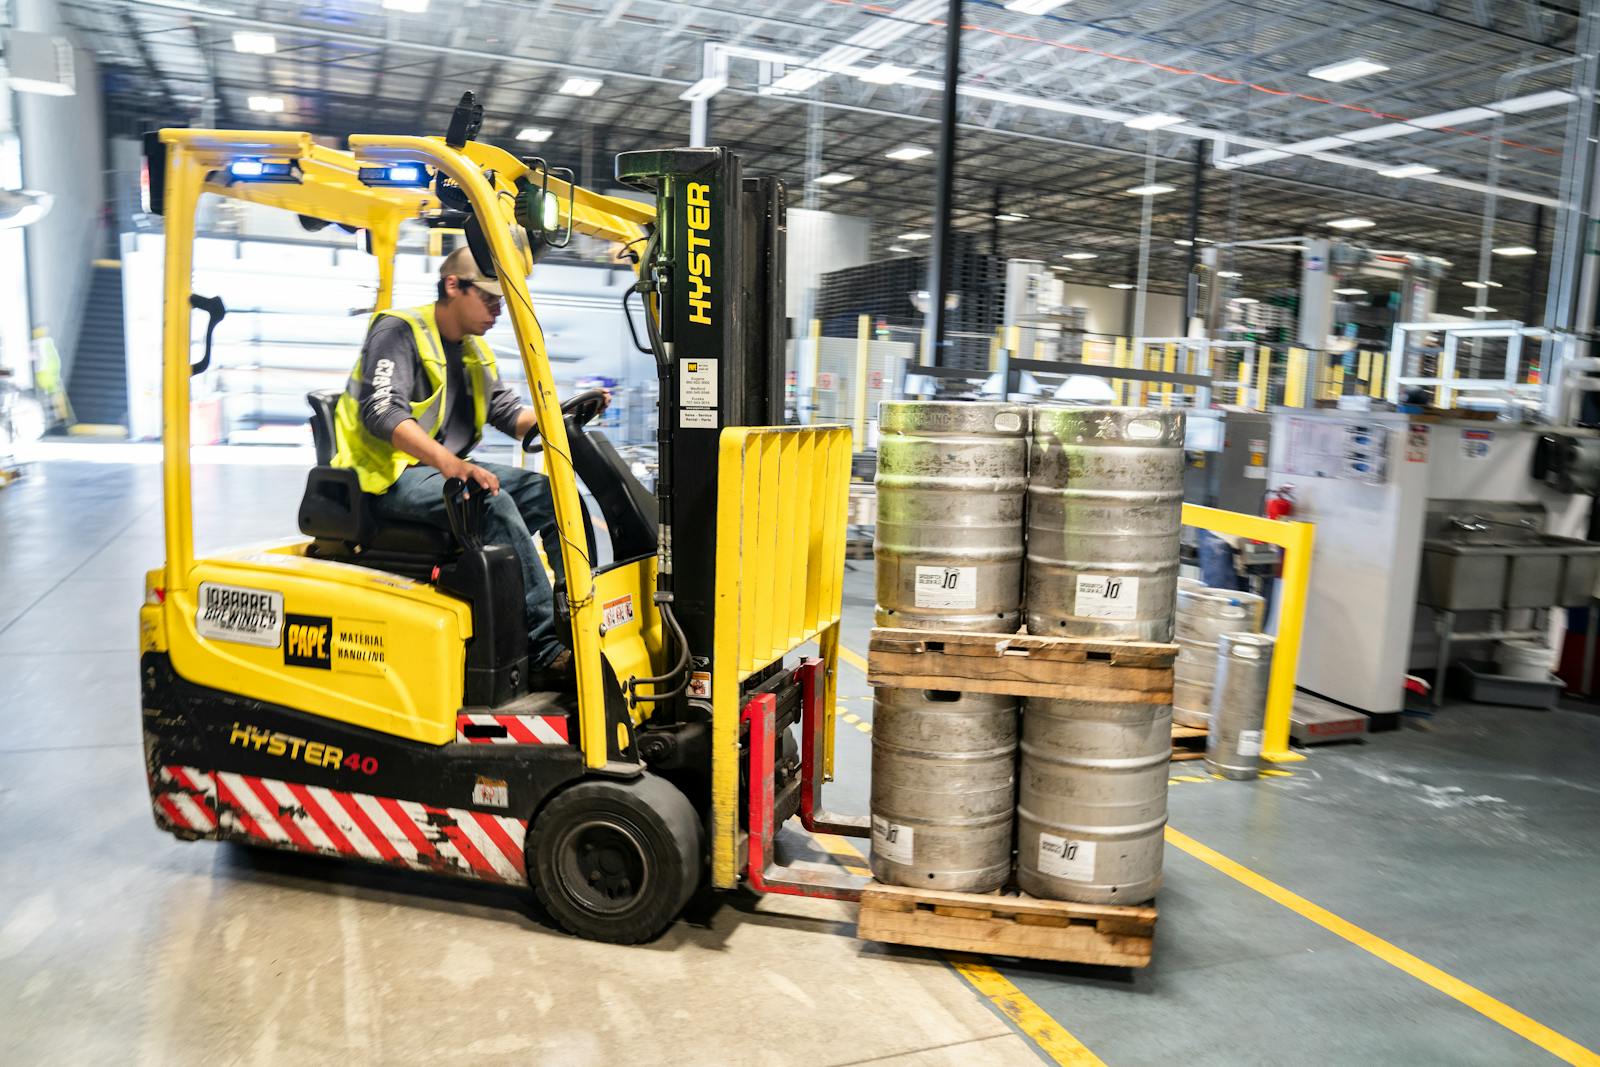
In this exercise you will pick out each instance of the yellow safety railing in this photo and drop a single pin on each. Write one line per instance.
(1295, 539)
(782, 494)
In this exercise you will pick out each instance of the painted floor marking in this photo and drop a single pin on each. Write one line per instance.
(1556, 1044)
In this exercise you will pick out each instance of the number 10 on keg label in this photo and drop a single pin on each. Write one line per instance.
(1101, 596)
(1062, 857)
(947, 587)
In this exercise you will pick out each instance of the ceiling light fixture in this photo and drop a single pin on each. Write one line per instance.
(898, 248)
(1350, 292)
(1516, 250)
(1409, 170)
(1345, 71)
(271, 105)
(1010, 216)
(1121, 285)
(580, 87)
(915, 235)
(1244, 300)
(1480, 309)
(1182, 243)
(1034, 7)
(1153, 189)
(1483, 285)
(1080, 255)
(535, 134)
(1153, 122)
(1350, 224)
(254, 44)
(835, 178)
(1229, 274)
(909, 152)
(885, 74)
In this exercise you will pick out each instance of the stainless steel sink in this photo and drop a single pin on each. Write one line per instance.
(1493, 569)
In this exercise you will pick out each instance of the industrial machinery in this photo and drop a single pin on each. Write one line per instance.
(363, 691)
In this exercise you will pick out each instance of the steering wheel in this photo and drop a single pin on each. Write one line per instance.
(578, 411)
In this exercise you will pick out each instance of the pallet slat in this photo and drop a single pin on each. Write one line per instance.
(1007, 925)
(1022, 665)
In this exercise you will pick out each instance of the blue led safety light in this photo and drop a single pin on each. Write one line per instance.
(402, 174)
(260, 170)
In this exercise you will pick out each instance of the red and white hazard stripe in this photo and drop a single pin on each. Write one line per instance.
(311, 818)
(514, 729)
(180, 800)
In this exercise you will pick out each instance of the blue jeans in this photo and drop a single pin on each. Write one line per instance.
(523, 504)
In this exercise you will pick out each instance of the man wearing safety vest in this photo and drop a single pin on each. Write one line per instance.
(415, 407)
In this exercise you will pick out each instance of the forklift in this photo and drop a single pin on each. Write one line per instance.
(363, 690)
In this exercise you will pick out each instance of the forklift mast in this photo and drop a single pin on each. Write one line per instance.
(715, 266)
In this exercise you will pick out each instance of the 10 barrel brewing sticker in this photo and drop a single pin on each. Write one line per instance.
(239, 614)
(1101, 596)
(1061, 857)
(947, 587)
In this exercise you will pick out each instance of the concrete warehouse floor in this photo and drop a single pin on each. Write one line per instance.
(1467, 842)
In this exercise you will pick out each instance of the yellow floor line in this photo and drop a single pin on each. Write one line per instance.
(1556, 1044)
(1051, 1037)
(854, 660)
(1031, 1019)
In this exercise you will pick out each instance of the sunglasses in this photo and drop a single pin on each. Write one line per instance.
(490, 301)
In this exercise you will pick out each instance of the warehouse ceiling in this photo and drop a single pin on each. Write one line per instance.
(1475, 89)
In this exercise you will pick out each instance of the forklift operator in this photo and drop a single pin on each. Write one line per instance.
(415, 407)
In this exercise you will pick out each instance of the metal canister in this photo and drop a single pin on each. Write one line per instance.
(1092, 799)
(952, 481)
(1105, 505)
(1239, 705)
(943, 788)
(1205, 614)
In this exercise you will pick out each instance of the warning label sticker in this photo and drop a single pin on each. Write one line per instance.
(1249, 743)
(491, 793)
(892, 841)
(615, 613)
(947, 587)
(244, 616)
(1103, 597)
(1062, 857)
(700, 685)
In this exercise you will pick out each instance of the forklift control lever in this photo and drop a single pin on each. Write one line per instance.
(464, 508)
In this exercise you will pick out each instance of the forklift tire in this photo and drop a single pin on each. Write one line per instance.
(616, 860)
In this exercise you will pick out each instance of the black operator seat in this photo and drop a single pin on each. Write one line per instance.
(342, 520)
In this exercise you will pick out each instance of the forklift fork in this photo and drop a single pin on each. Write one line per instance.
(759, 718)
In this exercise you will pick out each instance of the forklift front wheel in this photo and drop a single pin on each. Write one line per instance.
(616, 860)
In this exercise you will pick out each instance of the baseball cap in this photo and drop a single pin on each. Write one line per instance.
(465, 268)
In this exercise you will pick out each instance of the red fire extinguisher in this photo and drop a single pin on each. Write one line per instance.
(1280, 503)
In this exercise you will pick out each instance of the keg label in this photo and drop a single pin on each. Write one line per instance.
(1249, 742)
(947, 587)
(1061, 857)
(1101, 596)
(891, 840)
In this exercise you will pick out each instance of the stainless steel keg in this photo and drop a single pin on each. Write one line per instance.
(1092, 799)
(952, 481)
(1239, 705)
(1204, 614)
(943, 788)
(1105, 504)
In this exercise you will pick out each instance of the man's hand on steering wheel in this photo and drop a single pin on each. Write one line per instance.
(578, 410)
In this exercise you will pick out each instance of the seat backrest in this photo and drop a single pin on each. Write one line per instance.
(323, 404)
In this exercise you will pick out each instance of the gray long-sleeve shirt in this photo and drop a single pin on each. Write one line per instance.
(392, 379)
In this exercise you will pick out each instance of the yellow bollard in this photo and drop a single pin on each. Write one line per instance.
(1263, 377)
(1119, 359)
(1378, 385)
(1294, 390)
(863, 357)
(1169, 362)
(1364, 366)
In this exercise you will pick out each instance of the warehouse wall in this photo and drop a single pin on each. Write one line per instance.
(70, 168)
(820, 241)
(1109, 311)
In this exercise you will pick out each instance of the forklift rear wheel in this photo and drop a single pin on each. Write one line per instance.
(616, 860)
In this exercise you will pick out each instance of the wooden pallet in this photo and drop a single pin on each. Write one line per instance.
(1068, 668)
(1008, 925)
(1188, 742)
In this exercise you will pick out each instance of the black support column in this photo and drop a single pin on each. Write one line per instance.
(938, 255)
